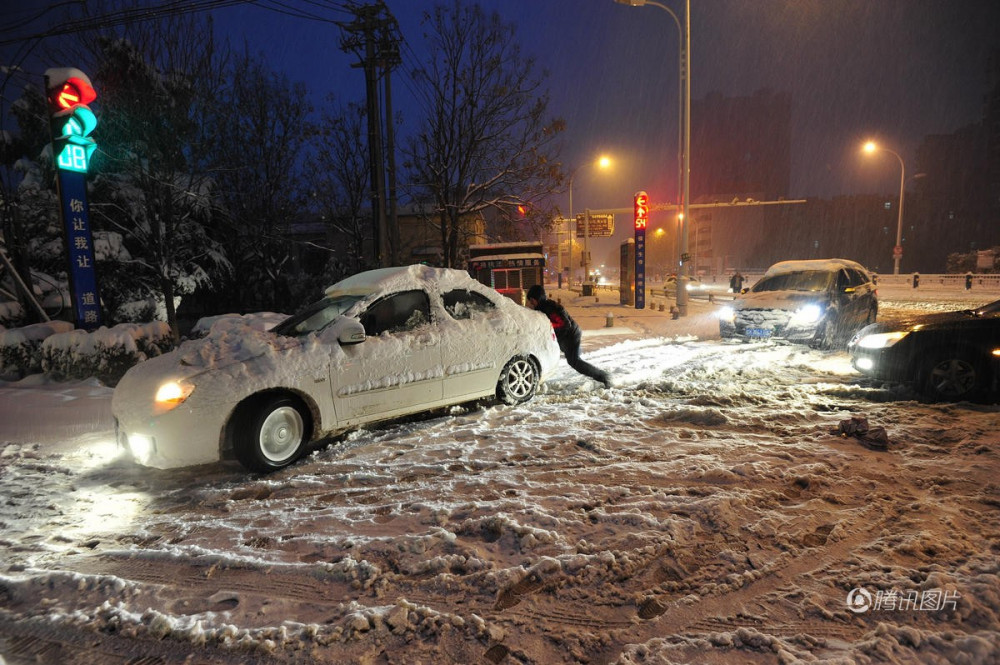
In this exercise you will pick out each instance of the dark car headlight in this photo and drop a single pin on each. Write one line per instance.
(810, 313)
(880, 340)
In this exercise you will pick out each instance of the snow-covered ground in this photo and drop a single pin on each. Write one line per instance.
(705, 510)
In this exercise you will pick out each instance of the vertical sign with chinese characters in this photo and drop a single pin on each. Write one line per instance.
(80, 247)
(68, 91)
(641, 219)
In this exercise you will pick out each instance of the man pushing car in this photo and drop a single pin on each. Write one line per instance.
(567, 334)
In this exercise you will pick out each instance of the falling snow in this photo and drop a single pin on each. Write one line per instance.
(705, 509)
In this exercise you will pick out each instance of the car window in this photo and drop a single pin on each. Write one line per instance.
(857, 278)
(315, 316)
(843, 279)
(465, 304)
(397, 313)
(803, 280)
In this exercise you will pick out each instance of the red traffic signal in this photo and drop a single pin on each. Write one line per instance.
(641, 210)
(73, 92)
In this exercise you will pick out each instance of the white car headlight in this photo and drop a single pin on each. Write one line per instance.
(141, 447)
(726, 314)
(881, 340)
(172, 393)
(807, 314)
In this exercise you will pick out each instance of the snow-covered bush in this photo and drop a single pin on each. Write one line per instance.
(20, 347)
(106, 353)
(10, 313)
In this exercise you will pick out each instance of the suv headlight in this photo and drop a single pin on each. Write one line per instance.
(881, 340)
(807, 314)
(727, 314)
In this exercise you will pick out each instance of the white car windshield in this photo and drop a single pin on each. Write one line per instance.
(316, 316)
(804, 280)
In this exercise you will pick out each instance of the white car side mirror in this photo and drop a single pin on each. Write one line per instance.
(351, 332)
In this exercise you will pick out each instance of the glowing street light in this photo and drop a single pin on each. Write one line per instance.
(897, 251)
(684, 130)
(603, 163)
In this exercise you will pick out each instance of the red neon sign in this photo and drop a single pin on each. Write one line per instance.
(641, 210)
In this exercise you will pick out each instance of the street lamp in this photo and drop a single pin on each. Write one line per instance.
(897, 251)
(604, 163)
(684, 128)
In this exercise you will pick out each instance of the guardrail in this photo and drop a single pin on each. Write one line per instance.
(717, 288)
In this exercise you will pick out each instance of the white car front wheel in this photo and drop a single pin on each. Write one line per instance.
(271, 433)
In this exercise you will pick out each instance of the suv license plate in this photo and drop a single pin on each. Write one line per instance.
(758, 333)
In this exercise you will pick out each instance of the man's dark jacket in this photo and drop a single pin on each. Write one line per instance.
(566, 328)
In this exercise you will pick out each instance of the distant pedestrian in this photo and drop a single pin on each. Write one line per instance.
(916, 279)
(568, 334)
(736, 282)
(968, 281)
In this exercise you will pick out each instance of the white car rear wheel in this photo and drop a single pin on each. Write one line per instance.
(518, 381)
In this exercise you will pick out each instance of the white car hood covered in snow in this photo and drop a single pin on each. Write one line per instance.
(784, 300)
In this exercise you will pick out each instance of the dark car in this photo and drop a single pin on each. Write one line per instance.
(950, 356)
(820, 302)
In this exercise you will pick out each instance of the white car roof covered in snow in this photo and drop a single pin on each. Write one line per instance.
(432, 279)
(830, 265)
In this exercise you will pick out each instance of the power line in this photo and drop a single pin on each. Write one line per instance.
(123, 16)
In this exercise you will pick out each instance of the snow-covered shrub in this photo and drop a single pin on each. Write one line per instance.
(10, 313)
(138, 310)
(20, 347)
(106, 353)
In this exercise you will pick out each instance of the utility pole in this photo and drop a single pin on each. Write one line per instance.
(374, 37)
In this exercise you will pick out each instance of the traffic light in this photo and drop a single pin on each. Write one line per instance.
(641, 210)
(69, 91)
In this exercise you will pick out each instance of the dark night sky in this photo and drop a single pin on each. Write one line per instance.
(896, 70)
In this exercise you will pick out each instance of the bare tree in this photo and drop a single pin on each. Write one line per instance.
(339, 177)
(261, 136)
(151, 184)
(487, 141)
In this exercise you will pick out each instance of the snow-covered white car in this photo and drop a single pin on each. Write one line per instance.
(382, 344)
(821, 302)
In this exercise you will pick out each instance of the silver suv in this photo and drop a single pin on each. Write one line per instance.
(820, 302)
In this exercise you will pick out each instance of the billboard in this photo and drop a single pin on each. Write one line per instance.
(601, 225)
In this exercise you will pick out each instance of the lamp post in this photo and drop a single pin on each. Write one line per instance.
(683, 134)
(897, 251)
(603, 163)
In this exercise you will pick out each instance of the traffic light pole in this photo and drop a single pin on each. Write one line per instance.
(71, 121)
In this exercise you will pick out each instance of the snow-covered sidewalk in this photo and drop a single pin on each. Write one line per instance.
(705, 510)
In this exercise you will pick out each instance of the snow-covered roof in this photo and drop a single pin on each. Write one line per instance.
(506, 245)
(507, 257)
(389, 278)
(814, 264)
